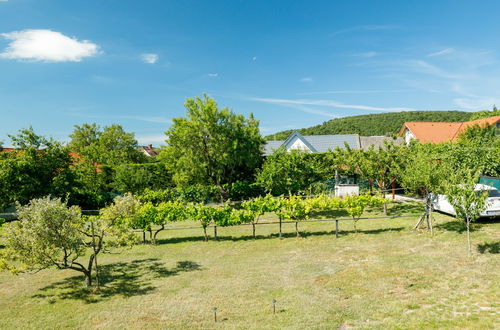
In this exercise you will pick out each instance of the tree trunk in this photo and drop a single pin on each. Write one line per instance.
(205, 232)
(88, 279)
(382, 190)
(297, 228)
(253, 230)
(143, 237)
(156, 233)
(280, 229)
(430, 220)
(371, 186)
(95, 249)
(468, 237)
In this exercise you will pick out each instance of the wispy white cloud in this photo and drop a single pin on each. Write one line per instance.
(150, 58)
(441, 52)
(213, 74)
(79, 112)
(374, 91)
(306, 79)
(327, 103)
(476, 104)
(431, 69)
(313, 111)
(46, 45)
(151, 119)
(158, 139)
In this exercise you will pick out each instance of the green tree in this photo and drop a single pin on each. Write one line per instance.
(288, 172)
(208, 215)
(295, 208)
(51, 234)
(257, 207)
(424, 173)
(38, 167)
(212, 146)
(480, 135)
(111, 145)
(466, 200)
(167, 212)
(485, 113)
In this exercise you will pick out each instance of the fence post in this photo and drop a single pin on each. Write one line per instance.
(280, 229)
(336, 229)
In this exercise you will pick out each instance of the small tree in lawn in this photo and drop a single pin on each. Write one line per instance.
(356, 205)
(258, 207)
(467, 202)
(171, 211)
(51, 234)
(424, 173)
(207, 215)
(297, 209)
(244, 216)
(146, 215)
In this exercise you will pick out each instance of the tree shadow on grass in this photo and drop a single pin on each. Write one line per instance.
(117, 279)
(402, 208)
(303, 234)
(493, 248)
(457, 226)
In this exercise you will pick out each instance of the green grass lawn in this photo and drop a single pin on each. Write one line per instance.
(384, 276)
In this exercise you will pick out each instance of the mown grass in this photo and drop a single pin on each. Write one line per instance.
(383, 276)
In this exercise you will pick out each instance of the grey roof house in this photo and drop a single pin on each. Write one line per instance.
(325, 143)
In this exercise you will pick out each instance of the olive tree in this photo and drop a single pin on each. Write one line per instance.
(424, 172)
(465, 199)
(51, 234)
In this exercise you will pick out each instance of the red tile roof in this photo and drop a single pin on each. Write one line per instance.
(438, 132)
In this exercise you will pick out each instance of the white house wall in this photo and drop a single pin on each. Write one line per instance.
(409, 136)
(297, 144)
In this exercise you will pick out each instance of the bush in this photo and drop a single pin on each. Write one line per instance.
(245, 190)
(135, 178)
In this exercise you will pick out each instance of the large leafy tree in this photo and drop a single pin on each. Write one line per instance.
(38, 167)
(111, 145)
(288, 172)
(486, 113)
(212, 146)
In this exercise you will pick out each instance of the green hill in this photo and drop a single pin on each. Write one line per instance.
(375, 124)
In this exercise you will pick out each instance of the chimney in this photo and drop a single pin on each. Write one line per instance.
(150, 147)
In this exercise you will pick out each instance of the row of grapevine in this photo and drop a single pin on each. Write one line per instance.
(153, 218)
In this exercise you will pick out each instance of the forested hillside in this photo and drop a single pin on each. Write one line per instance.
(375, 124)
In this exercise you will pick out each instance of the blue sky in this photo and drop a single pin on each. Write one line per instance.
(292, 63)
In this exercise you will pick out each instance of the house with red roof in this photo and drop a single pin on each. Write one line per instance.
(439, 132)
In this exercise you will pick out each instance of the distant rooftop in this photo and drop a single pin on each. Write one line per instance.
(325, 143)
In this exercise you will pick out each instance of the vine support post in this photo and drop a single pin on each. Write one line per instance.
(280, 229)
